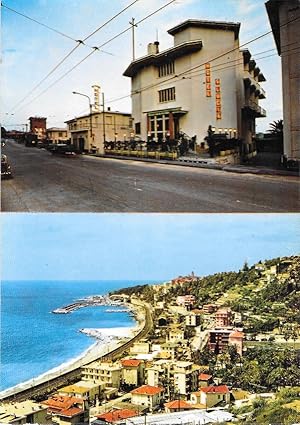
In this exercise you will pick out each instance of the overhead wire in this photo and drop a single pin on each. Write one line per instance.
(79, 42)
(95, 48)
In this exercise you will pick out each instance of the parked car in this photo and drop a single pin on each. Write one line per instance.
(5, 167)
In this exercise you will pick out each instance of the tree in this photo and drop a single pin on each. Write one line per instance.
(276, 127)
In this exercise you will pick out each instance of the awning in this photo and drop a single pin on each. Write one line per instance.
(175, 111)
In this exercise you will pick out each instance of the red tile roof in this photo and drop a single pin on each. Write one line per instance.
(204, 377)
(219, 389)
(178, 404)
(61, 402)
(130, 362)
(147, 390)
(73, 411)
(116, 415)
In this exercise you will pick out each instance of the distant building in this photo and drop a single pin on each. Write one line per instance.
(103, 372)
(89, 390)
(25, 412)
(116, 416)
(193, 319)
(132, 371)
(284, 19)
(185, 376)
(203, 79)
(57, 135)
(186, 300)
(219, 339)
(204, 380)
(67, 410)
(147, 396)
(223, 317)
(177, 406)
(37, 126)
(88, 132)
(211, 396)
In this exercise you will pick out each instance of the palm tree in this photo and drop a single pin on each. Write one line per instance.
(276, 127)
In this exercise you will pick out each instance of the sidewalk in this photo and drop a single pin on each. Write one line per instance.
(202, 163)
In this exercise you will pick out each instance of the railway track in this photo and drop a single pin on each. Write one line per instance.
(41, 391)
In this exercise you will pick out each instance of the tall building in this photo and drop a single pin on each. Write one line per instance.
(204, 79)
(284, 18)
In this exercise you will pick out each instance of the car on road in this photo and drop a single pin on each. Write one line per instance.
(5, 167)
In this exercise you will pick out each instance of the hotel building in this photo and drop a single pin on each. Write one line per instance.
(204, 79)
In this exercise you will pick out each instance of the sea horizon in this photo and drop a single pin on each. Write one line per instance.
(34, 340)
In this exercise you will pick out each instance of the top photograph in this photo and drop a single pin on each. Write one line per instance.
(161, 106)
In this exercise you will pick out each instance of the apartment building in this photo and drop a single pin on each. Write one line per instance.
(132, 371)
(104, 372)
(203, 80)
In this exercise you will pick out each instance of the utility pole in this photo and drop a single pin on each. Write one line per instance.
(103, 118)
(133, 39)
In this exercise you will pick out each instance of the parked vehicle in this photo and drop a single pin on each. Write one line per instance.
(5, 167)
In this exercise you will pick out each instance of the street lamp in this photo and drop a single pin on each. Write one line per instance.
(90, 106)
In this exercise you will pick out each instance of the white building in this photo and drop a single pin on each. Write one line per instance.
(204, 79)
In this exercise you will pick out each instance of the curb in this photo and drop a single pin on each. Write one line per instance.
(240, 169)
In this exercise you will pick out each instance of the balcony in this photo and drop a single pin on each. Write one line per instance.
(254, 85)
(252, 107)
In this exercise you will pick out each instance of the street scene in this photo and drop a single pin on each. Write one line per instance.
(195, 95)
(59, 183)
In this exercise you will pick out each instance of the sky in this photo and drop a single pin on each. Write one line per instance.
(30, 51)
(140, 246)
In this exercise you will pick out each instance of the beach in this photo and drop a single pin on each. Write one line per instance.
(107, 340)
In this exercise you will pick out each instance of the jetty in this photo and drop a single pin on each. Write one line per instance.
(92, 301)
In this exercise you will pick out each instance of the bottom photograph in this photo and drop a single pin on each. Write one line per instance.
(134, 319)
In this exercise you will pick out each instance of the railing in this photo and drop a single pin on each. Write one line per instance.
(142, 153)
(255, 107)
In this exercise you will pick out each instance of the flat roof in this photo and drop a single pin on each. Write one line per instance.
(157, 58)
(221, 25)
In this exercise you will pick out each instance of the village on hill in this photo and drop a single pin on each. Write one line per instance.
(213, 349)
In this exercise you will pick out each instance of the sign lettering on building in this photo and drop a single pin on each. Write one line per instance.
(218, 99)
(208, 80)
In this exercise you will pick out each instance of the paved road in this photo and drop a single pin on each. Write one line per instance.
(46, 183)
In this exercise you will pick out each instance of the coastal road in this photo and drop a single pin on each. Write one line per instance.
(46, 183)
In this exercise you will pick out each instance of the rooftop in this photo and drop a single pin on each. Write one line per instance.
(130, 362)
(147, 390)
(219, 389)
(221, 25)
(156, 59)
(178, 404)
(116, 415)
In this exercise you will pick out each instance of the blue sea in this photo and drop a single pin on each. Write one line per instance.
(34, 340)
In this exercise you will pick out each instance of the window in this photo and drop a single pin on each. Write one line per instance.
(60, 134)
(167, 68)
(166, 95)
(137, 128)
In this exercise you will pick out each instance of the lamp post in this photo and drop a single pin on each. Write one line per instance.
(90, 106)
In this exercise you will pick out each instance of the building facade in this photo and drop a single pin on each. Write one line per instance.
(203, 80)
(284, 19)
(57, 135)
(88, 132)
(37, 125)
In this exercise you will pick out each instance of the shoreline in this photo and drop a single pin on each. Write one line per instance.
(108, 340)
